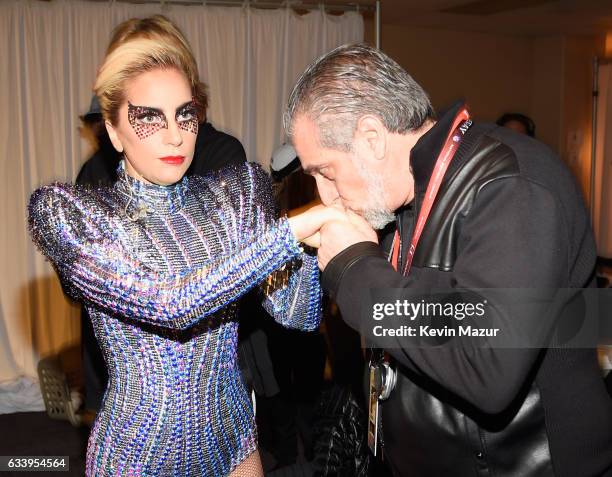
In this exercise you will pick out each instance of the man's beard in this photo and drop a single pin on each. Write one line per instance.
(375, 211)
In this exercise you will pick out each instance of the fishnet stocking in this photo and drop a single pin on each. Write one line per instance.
(249, 467)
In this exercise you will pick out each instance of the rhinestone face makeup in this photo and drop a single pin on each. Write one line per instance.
(146, 120)
(161, 292)
(187, 117)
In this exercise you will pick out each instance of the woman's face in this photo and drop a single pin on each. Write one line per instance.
(157, 127)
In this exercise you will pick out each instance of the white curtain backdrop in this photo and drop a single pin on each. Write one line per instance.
(602, 213)
(50, 52)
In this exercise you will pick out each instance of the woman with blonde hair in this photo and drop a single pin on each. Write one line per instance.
(159, 260)
(161, 29)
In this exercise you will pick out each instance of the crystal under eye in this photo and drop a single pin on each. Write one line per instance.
(144, 128)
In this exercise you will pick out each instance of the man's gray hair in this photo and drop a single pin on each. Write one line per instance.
(350, 82)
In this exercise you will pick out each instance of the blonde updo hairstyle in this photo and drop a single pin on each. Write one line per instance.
(138, 46)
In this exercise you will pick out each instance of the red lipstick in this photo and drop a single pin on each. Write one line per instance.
(175, 160)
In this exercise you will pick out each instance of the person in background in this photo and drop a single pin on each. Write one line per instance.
(101, 167)
(517, 122)
(298, 358)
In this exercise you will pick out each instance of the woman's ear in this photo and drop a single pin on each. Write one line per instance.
(112, 134)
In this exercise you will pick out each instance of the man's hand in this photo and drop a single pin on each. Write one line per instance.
(336, 236)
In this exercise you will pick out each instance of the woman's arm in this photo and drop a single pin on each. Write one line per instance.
(293, 293)
(96, 268)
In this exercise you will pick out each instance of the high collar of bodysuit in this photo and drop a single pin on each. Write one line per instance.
(142, 199)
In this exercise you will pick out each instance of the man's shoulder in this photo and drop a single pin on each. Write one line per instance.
(505, 153)
(527, 170)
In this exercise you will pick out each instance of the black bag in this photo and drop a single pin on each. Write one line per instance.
(340, 430)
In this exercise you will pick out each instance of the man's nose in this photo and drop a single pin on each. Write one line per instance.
(327, 191)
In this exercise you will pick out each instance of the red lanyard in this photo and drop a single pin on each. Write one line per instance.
(460, 125)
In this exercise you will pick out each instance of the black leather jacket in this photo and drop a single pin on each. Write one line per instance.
(508, 215)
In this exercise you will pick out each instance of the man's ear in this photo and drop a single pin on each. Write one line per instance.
(112, 134)
(373, 131)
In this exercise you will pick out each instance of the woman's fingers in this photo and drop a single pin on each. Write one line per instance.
(308, 223)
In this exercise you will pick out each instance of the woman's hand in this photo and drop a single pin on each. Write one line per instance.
(306, 225)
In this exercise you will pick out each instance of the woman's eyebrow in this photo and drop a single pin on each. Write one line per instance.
(147, 108)
(188, 103)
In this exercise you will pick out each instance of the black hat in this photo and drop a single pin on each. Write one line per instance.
(94, 113)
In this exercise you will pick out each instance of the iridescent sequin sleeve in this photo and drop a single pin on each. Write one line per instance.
(95, 267)
(292, 295)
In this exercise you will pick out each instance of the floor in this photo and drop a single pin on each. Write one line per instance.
(35, 434)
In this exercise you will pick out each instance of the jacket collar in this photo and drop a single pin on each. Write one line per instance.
(427, 149)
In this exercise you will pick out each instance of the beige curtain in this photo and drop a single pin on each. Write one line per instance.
(50, 52)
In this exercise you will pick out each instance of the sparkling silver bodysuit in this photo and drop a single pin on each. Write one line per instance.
(159, 269)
